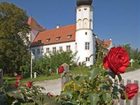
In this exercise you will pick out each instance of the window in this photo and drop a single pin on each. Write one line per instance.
(48, 39)
(79, 23)
(42, 50)
(47, 50)
(87, 59)
(69, 36)
(54, 49)
(33, 51)
(85, 8)
(60, 48)
(39, 41)
(68, 48)
(58, 38)
(87, 45)
(38, 51)
(85, 23)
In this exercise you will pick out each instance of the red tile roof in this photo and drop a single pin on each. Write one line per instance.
(104, 43)
(107, 43)
(57, 35)
(34, 25)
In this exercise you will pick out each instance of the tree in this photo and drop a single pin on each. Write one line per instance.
(13, 37)
(134, 54)
(100, 53)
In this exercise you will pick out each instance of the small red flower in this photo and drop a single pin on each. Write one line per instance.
(17, 84)
(60, 69)
(18, 77)
(29, 84)
(117, 60)
(50, 94)
(131, 90)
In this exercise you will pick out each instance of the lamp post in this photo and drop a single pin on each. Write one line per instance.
(31, 69)
(31, 61)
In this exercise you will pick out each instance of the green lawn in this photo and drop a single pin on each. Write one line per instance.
(75, 71)
(12, 80)
(80, 70)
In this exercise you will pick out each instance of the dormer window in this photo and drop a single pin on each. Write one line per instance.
(39, 41)
(48, 39)
(69, 36)
(58, 38)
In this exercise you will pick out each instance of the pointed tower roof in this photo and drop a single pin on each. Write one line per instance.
(34, 25)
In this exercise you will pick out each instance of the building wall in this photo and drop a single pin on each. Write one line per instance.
(84, 17)
(43, 50)
(84, 51)
(84, 35)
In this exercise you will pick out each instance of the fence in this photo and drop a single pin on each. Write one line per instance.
(135, 100)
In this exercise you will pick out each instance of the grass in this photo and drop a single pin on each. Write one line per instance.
(80, 70)
(134, 67)
(12, 80)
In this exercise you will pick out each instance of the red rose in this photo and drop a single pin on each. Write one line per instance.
(116, 60)
(29, 84)
(131, 90)
(60, 69)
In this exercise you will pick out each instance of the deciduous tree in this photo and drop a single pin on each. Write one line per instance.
(13, 37)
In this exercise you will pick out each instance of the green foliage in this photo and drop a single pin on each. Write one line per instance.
(100, 53)
(135, 55)
(13, 37)
(99, 87)
(25, 96)
(50, 63)
(80, 70)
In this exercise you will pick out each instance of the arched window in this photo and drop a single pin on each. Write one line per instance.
(79, 24)
(85, 23)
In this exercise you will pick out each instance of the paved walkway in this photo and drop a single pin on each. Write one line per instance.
(133, 75)
(54, 86)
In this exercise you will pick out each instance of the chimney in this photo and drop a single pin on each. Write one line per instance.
(57, 27)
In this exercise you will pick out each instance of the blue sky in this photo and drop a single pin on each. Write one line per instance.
(115, 19)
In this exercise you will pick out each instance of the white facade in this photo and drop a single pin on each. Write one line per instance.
(84, 35)
(45, 50)
(84, 44)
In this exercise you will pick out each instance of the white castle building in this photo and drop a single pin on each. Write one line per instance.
(78, 37)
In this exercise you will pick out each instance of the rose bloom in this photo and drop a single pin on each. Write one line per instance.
(131, 90)
(60, 69)
(117, 60)
(29, 84)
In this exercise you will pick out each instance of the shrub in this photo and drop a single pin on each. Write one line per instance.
(50, 63)
(100, 86)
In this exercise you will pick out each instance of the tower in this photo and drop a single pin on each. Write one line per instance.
(85, 41)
